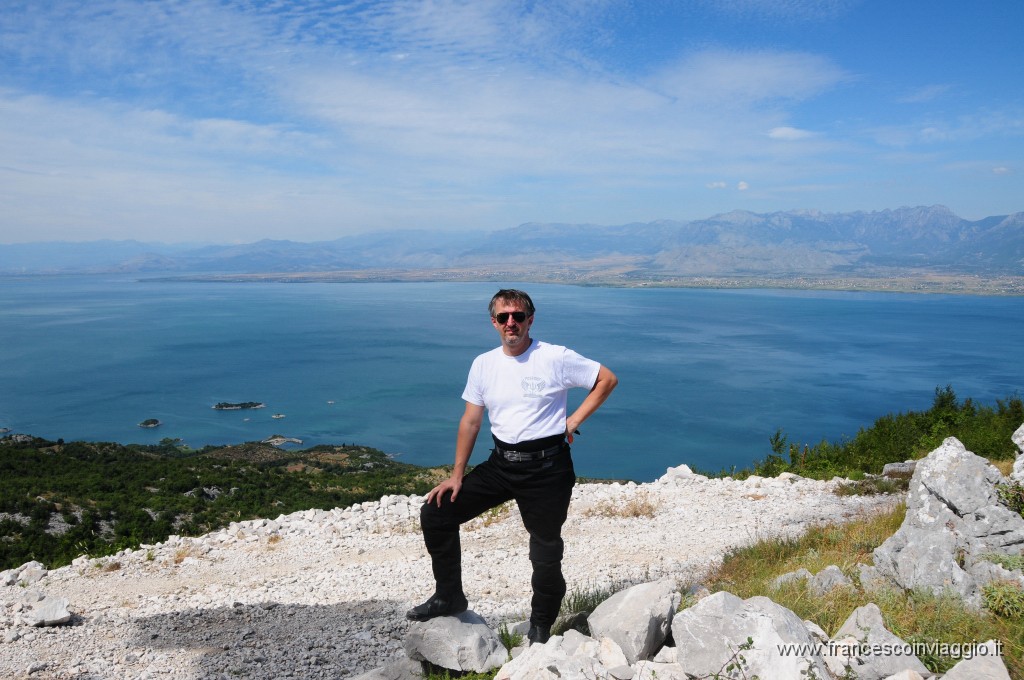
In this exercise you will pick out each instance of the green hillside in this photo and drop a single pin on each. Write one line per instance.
(60, 500)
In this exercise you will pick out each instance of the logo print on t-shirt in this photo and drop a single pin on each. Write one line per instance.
(533, 387)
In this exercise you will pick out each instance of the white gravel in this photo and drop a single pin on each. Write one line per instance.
(322, 594)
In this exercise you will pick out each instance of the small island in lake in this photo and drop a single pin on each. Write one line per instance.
(230, 406)
(150, 422)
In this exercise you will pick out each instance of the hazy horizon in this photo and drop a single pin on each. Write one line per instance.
(199, 244)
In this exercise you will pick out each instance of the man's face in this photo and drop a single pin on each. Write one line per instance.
(515, 335)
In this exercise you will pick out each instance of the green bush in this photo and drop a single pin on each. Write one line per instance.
(1004, 598)
(1012, 496)
(985, 430)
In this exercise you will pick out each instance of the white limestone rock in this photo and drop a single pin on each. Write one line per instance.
(984, 665)
(577, 661)
(954, 518)
(827, 579)
(681, 474)
(459, 643)
(1018, 465)
(800, 574)
(866, 625)
(51, 611)
(711, 634)
(637, 618)
(653, 670)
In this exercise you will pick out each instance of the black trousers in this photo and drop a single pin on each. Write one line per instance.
(542, 489)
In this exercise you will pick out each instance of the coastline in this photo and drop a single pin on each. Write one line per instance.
(917, 283)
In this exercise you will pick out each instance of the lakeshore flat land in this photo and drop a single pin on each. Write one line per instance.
(620, 276)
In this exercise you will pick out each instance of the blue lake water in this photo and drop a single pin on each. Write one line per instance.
(706, 376)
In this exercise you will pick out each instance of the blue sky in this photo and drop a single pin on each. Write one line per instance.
(236, 120)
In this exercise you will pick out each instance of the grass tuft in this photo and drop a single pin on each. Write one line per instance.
(1004, 598)
(1011, 562)
(579, 603)
(639, 505)
(509, 640)
(873, 485)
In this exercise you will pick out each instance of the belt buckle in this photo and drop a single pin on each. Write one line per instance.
(512, 455)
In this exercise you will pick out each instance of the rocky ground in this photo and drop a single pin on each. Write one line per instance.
(322, 594)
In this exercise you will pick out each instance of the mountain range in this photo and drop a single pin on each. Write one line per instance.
(739, 243)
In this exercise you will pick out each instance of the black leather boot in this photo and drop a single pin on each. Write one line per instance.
(538, 635)
(438, 606)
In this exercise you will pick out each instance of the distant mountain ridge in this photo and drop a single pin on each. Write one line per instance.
(738, 243)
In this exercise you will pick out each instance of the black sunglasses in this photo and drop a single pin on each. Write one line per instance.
(502, 317)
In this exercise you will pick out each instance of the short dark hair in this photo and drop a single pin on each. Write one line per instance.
(512, 295)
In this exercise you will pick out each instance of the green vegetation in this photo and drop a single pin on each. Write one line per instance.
(894, 438)
(579, 603)
(1012, 496)
(509, 640)
(234, 406)
(59, 501)
(1004, 598)
(913, 616)
(1011, 562)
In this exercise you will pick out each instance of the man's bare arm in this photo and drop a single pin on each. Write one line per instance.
(469, 427)
(603, 386)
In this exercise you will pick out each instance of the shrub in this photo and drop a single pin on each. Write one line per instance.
(1004, 598)
(1011, 494)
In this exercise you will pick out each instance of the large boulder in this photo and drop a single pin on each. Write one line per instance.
(713, 633)
(573, 656)
(985, 664)
(637, 618)
(954, 521)
(864, 634)
(1018, 465)
(50, 611)
(828, 579)
(27, 574)
(458, 643)
(680, 476)
(820, 584)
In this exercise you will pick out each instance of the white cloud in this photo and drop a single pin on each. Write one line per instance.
(789, 134)
(741, 79)
(966, 127)
(791, 10)
(1001, 170)
(925, 94)
(332, 116)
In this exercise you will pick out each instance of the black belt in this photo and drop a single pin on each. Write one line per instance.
(513, 456)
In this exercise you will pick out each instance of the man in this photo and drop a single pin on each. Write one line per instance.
(522, 384)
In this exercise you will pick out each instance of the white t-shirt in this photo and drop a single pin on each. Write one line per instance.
(525, 396)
